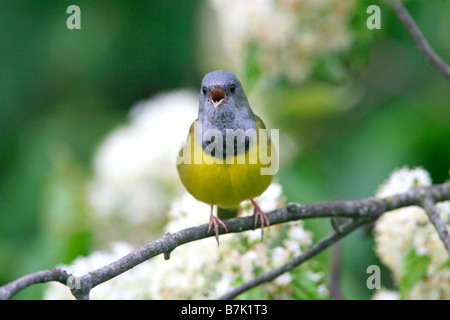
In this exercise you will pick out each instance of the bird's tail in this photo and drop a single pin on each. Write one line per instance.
(227, 213)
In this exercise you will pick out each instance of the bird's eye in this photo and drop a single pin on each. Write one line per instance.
(204, 90)
(232, 88)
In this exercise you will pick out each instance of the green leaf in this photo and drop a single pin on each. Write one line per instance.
(303, 287)
(315, 99)
(414, 269)
(331, 69)
(445, 265)
(256, 293)
(253, 69)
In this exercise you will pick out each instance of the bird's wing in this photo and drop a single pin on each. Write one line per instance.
(259, 123)
(191, 128)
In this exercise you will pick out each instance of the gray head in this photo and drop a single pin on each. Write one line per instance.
(223, 103)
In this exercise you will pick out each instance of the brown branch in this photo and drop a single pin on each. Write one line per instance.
(335, 272)
(371, 213)
(59, 275)
(291, 264)
(363, 211)
(420, 40)
(429, 205)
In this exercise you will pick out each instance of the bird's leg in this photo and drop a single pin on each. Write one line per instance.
(263, 220)
(216, 221)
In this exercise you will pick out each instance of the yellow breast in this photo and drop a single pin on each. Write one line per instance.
(228, 183)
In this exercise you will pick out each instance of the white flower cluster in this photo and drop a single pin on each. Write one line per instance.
(283, 36)
(399, 230)
(239, 258)
(384, 294)
(124, 287)
(135, 175)
(201, 270)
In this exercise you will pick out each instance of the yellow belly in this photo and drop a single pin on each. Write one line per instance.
(224, 184)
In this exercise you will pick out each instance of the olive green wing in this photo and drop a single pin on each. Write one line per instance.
(259, 123)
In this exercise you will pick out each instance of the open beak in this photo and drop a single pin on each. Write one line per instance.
(217, 96)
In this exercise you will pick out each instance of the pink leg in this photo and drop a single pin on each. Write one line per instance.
(263, 220)
(216, 221)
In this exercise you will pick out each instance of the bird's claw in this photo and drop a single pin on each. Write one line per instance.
(216, 221)
(259, 214)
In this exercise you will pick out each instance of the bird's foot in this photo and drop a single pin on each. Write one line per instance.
(259, 214)
(216, 221)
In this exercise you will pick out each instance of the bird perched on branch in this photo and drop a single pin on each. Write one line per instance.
(228, 156)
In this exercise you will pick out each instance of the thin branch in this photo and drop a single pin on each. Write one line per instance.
(429, 205)
(420, 40)
(361, 210)
(291, 264)
(334, 286)
(374, 211)
(59, 275)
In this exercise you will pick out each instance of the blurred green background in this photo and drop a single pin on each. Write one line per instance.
(358, 116)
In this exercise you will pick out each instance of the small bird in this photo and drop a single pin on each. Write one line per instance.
(218, 167)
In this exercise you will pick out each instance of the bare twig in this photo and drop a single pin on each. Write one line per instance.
(291, 264)
(374, 210)
(7, 291)
(362, 211)
(335, 290)
(429, 205)
(421, 42)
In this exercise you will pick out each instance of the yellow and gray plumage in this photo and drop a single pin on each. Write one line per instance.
(228, 171)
